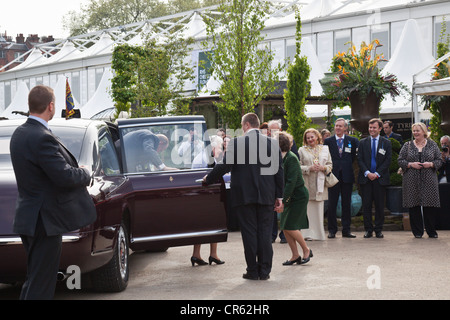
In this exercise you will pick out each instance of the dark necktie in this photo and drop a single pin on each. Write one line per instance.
(373, 163)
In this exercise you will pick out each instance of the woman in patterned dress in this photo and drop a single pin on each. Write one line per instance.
(295, 199)
(419, 160)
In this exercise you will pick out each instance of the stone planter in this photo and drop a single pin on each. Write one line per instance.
(362, 111)
(394, 200)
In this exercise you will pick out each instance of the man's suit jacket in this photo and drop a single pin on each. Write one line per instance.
(344, 164)
(397, 137)
(444, 171)
(49, 182)
(382, 159)
(253, 179)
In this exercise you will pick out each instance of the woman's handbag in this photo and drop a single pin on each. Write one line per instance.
(331, 180)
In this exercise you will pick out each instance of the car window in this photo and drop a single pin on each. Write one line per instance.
(109, 164)
(5, 157)
(182, 146)
(72, 138)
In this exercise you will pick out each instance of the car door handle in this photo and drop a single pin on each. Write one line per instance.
(199, 181)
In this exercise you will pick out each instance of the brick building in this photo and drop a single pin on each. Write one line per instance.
(10, 50)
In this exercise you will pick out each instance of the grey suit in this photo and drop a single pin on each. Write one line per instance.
(52, 200)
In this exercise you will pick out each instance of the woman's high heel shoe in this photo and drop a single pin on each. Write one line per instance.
(291, 262)
(309, 257)
(217, 261)
(200, 262)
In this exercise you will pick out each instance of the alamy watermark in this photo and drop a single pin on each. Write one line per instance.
(374, 280)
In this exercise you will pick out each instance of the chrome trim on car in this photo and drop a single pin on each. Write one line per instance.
(5, 241)
(177, 236)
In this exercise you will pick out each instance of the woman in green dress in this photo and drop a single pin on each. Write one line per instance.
(295, 200)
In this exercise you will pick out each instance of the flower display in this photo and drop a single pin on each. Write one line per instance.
(358, 72)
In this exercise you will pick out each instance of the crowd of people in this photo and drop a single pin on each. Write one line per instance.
(263, 174)
(323, 169)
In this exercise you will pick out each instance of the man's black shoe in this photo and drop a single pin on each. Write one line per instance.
(348, 235)
(249, 277)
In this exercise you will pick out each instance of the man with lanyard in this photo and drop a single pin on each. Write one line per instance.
(374, 159)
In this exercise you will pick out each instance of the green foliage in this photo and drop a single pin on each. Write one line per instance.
(151, 76)
(297, 90)
(442, 71)
(239, 63)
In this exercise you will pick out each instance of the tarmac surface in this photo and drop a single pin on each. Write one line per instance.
(397, 267)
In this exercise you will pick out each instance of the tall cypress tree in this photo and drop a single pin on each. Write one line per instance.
(297, 90)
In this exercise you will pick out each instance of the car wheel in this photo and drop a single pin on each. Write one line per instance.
(113, 277)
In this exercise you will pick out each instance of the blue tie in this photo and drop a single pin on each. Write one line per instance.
(373, 163)
(340, 146)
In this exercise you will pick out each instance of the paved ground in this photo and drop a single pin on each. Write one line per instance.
(396, 267)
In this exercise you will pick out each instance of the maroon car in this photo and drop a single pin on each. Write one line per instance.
(141, 204)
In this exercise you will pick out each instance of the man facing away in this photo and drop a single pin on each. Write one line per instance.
(374, 159)
(256, 187)
(53, 197)
(343, 152)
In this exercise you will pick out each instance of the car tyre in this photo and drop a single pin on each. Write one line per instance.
(113, 277)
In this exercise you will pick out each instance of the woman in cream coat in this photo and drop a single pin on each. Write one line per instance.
(315, 161)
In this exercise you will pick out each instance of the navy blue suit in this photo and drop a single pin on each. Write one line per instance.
(343, 170)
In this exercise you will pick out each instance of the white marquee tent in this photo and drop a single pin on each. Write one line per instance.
(101, 100)
(86, 59)
(19, 102)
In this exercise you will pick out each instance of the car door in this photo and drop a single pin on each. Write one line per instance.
(169, 205)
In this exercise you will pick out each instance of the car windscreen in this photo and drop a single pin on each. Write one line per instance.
(72, 138)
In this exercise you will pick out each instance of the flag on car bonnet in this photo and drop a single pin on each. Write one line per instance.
(69, 101)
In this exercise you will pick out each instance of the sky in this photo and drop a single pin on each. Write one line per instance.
(42, 17)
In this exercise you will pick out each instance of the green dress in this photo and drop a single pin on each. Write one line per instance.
(295, 197)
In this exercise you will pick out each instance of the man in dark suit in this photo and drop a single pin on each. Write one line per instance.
(343, 152)
(256, 186)
(374, 159)
(53, 198)
(388, 126)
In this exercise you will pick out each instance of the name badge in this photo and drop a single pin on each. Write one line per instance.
(349, 150)
(382, 151)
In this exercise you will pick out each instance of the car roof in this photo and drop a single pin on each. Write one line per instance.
(58, 122)
(155, 120)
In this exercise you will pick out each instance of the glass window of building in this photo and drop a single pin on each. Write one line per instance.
(277, 48)
(440, 23)
(360, 35)
(290, 50)
(342, 39)
(381, 33)
(325, 49)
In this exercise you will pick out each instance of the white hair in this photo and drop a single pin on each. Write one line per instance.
(216, 141)
(276, 122)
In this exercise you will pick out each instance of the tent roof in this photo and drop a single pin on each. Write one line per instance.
(410, 56)
(19, 103)
(439, 87)
(101, 100)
